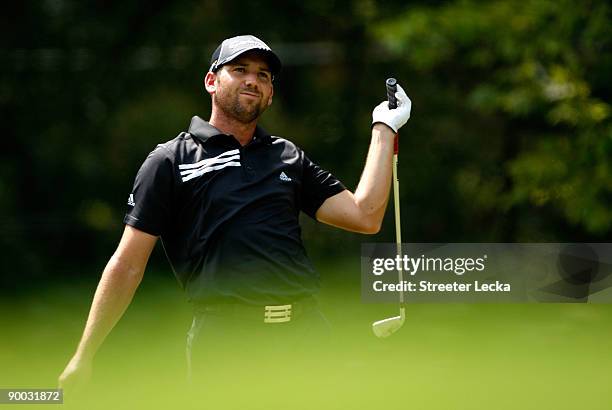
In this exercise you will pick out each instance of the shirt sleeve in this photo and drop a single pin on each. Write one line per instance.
(317, 185)
(150, 203)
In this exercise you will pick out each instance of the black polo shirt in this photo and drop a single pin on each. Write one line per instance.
(228, 214)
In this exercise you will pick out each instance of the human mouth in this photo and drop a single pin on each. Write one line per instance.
(250, 94)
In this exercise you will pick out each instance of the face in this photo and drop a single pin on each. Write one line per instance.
(242, 89)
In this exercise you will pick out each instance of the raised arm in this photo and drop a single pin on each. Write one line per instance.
(116, 288)
(363, 211)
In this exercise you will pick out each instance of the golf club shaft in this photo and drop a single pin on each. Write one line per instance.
(398, 224)
(391, 85)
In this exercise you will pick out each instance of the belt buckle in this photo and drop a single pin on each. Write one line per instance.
(277, 314)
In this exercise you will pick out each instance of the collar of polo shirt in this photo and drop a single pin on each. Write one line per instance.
(203, 130)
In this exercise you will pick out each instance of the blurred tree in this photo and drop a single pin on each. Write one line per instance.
(540, 70)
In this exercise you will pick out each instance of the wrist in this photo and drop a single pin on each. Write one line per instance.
(382, 130)
(83, 356)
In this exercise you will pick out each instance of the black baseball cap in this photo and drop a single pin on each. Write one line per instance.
(233, 47)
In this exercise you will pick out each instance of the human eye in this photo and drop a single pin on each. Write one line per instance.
(265, 76)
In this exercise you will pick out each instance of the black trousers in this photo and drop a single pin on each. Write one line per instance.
(224, 349)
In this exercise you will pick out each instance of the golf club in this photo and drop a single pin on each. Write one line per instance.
(386, 327)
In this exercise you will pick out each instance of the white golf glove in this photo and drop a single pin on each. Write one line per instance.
(393, 118)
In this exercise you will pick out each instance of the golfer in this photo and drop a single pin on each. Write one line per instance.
(224, 197)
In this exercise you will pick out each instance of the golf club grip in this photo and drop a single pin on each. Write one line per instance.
(391, 84)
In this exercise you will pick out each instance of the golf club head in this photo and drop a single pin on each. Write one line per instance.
(386, 327)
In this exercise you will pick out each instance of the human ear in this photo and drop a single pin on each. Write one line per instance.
(270, 98)
(210, 82)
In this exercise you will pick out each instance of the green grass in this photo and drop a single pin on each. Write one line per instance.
(445, 357)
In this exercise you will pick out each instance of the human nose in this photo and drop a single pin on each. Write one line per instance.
(250, 80)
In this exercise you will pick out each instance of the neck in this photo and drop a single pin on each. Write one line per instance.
(241, 131)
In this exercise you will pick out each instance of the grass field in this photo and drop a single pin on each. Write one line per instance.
(446, 356)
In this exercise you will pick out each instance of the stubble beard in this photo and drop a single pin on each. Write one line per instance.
(242, 112)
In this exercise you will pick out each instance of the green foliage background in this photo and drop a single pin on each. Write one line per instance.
(510, 138)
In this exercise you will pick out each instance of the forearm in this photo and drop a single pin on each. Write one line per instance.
(372, 192)
(113, 295)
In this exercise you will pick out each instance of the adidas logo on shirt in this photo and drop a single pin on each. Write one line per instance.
(131, 200)
(284, 177)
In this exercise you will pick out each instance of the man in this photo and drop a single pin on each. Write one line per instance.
(225, 198)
